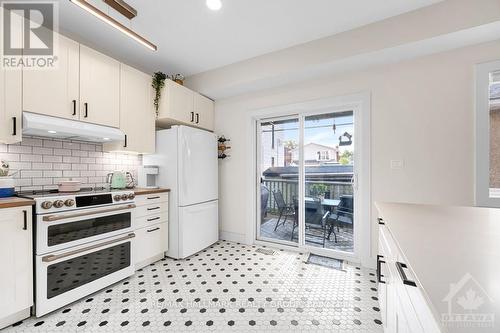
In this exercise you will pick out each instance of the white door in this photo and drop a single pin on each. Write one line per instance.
(99, 88)
(55, 92)
(198, 227)
(198, 174)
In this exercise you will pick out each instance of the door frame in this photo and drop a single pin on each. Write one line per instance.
(362, 170)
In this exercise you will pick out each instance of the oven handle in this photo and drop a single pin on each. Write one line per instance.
(51, 218)
(54, 257)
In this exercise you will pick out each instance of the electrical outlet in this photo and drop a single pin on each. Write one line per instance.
(397, 164)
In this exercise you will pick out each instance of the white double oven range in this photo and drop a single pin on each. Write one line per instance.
(82, 243)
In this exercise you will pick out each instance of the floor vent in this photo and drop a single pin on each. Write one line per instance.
(267, 252)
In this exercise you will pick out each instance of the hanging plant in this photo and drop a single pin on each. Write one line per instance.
(158, 83)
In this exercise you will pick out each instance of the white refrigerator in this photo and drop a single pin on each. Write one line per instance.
(187, 161)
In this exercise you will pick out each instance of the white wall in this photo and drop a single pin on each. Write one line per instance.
(422, 113)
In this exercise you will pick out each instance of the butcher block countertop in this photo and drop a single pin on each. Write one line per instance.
(449, 249)
(15, 202)
(144, 191)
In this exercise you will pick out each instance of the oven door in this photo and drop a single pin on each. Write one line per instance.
(65, 276)
(60, 231)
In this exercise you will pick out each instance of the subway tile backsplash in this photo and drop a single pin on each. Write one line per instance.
(41, 163)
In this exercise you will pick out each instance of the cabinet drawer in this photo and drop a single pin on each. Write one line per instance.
(387, 244)
(152, 209)
(142, 200)
(145, 221)
(150, 242)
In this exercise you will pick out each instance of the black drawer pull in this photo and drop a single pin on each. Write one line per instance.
(25, 216)
(381, 221)
(151, 198)
(379, 271)
(197, 118)
(192, 116)
(400, 266)
(86, 105)
(14, 126)
(155, 229)
(153, 219)
(126, 143)
(74, 107)
(154, 208)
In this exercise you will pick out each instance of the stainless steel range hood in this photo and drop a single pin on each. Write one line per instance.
(58, 128)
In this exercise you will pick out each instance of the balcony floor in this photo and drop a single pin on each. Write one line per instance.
(313, 237)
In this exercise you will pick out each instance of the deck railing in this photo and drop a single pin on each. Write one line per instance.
(290, 190)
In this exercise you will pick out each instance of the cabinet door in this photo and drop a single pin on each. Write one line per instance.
(204, 112)
(10, 106)
(177, 103)
(137, 116)
(16, 278)
(99, 88)
(150, 241)
(55, 92)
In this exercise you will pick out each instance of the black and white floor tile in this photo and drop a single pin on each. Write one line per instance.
(227, 287)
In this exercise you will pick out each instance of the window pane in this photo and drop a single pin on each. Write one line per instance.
(494, 109)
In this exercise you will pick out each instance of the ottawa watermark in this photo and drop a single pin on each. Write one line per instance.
(468, 305)
(28, 36)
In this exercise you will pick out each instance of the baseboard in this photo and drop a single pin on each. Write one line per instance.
(232, 237)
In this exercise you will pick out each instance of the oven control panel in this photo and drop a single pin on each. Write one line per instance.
(59, 203)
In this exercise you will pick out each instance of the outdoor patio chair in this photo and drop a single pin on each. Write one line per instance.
(343, 214)
(315, 219)
(284, 210)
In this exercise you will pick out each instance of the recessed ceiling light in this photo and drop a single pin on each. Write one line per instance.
(106, 139)
(52, 132)
(214, 4)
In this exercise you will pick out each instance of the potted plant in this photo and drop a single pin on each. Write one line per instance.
(318, 191)
(158, 83)
(7, 183)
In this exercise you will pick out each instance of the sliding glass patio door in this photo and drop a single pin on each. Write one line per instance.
(278, 180)
(305, 171)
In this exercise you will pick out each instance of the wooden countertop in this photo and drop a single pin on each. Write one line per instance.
(446, 246)
(15, 202)
(144, 191)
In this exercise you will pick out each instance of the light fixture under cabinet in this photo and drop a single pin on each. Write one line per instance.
(114, 23)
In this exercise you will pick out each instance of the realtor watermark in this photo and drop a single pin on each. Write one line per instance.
(468, 305)
(28, 37)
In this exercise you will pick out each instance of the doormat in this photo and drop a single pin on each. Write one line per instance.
(326, 262)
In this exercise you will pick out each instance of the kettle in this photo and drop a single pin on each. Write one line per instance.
(117, 179)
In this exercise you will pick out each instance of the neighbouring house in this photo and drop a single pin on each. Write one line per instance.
(316, 154)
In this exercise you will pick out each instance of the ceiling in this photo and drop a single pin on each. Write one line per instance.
(193, 39)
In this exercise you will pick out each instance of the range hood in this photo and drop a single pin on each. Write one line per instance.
(58, 128)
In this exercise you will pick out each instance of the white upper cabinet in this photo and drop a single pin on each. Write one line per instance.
(180, 105)
(99, 88)
(203, 111)
(137, 115)
(55, 92)
(10, 106)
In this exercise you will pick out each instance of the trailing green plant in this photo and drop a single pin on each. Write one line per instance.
(158, 83)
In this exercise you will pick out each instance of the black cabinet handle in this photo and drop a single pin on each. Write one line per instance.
(155, 229)
(74, 107)
(25, 216)
(151, 198)
(155, 208)
(401, 266)
(379, 271)
(86, 114)
(153, 219)
(126, 143)
(14, 126)
(197, 118)
(381, 221)
(192, 116)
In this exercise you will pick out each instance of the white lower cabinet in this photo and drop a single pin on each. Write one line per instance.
(16, 272)
(151, 228)
(151, 243)
(403, 306)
